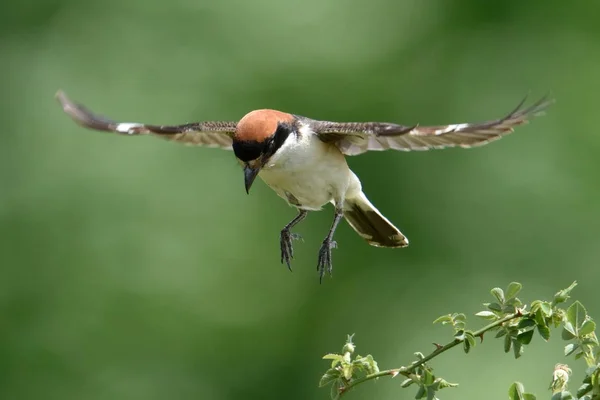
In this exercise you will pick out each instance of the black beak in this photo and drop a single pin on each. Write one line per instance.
(249, 176)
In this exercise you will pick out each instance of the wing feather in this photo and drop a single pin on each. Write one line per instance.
(210, 134)
(355, 138)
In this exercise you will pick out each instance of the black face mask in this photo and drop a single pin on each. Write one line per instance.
(249, 150)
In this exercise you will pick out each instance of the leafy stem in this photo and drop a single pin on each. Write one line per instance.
(408, 371)
(514, 322)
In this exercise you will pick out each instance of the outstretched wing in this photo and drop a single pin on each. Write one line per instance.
(210, 134)
(358, 137)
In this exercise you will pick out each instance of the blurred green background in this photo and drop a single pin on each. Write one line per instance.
(134, 268)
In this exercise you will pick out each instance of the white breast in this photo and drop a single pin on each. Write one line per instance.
(308, 173)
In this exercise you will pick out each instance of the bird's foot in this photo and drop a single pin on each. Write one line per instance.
(287, 250)
(324, 264)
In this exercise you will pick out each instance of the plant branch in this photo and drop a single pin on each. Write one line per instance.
(408, 371)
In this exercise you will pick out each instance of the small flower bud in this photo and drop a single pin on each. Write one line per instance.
(348, 348)
(560, 378)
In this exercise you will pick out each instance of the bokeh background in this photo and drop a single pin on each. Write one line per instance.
(134, 268)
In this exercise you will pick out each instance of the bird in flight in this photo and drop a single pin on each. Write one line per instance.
(304, 160)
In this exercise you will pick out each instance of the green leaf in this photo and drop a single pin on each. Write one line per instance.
(513, 289)
(431, 393)
(526, 323)
(421, 392)
(587, 327)
(507, 309)
(460, 317)
(591, 340)
(576, 315)
(500, 333)
(444, 319)
(539, 317)
(371, 364)
(590, 372)
(515, 392)
(546, 309)
(406, 383)
(562, 396)
(466, 346)
(336, 358)
(498, 294)
(514, 303)
(525, 337)
(348, 371)
(507, 343)
(460, 335)
(568, 331)
(330, 376)
(544, 332)
(517, 348)
(359, 365)
(470, 338)
(335, 391)
(428, 377)
(583, 389)
(486, 315)
(570, 348)
(494, 307)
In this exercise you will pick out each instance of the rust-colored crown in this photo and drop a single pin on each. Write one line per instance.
(258, 125)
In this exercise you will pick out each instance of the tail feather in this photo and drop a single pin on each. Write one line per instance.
(368, 222)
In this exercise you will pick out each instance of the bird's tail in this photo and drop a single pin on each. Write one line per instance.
(368, 222)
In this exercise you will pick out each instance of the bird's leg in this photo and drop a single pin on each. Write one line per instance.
(324, 263)
(286, 237)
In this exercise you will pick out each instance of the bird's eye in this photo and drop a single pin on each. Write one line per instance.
(248, 150)
(277, 139)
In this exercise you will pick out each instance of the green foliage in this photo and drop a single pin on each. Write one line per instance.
(517, 392)
(345, 369)
(507, 315)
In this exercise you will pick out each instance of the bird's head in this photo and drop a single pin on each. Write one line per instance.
(257, 138)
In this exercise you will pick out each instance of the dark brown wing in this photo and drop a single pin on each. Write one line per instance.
(358, 137)
(210, 134)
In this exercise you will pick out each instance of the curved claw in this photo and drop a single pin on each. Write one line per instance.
(287, 250)
(324, 264)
